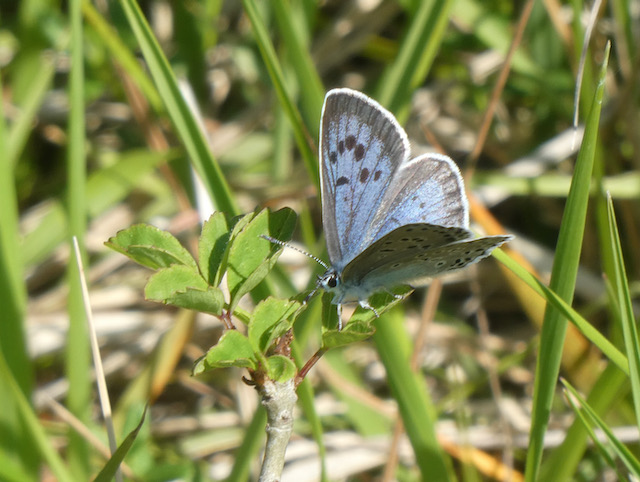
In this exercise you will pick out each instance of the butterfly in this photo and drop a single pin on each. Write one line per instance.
(388, 219)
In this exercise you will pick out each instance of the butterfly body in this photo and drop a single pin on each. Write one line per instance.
(388, 220)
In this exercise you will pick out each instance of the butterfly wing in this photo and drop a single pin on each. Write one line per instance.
(428, 189)
(361, 148)
(411, 254)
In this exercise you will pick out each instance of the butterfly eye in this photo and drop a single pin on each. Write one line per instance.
(332, 282)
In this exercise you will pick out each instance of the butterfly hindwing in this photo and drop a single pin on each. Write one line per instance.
(427, 189)
(401, 243)
(361, 147)
(410, 258)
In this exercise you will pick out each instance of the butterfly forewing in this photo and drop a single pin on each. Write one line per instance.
(361, 148)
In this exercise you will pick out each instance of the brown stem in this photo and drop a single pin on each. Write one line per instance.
(225, 318)
(307, 366)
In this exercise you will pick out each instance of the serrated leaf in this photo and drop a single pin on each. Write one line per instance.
(200, 366)
(232, 350)
(238, 223)
(353, 332)
(269, 321)
(252, 257)
(280, 368)
(150, 247)
(209, 301)
(282, 223)
(182, 286)
(212, 248)
(173, 279)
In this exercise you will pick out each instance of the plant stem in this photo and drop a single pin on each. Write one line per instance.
(309, 365)
(279, 399)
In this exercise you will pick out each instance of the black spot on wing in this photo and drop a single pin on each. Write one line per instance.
(364, 175)
(341, 147)
(350, 142)
(333, 157)
(359, 152)
(376, 175)
(342, 181)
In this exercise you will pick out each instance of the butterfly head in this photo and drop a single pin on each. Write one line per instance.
(343, 290)
(330, 281)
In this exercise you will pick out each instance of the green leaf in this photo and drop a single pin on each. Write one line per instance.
(252, 257)
(151, 247)
(280, 368)
(212, 247)
(109, 470)
(238, 223)
(269, 321)
(182, 286)
(232, 350)
(353, 332)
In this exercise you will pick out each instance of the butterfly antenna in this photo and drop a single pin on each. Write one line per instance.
(287, 245)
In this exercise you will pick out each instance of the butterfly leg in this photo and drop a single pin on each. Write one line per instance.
(339, 316)
(397, 297)
(365, 304)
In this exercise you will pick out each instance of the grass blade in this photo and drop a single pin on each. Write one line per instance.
(313, 91)
(30, 424)
(13, 296)
(562, 463)
(179, 112)
(563, 277)
(627, 319)
(415, 57)
(552, 298)
(300, 132)
(77, 354)
(414, 402)
(119, 51)
(590, 418)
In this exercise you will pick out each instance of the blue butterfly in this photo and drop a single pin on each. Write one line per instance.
(388, 220)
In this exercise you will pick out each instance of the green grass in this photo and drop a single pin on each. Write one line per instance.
(120, 149)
